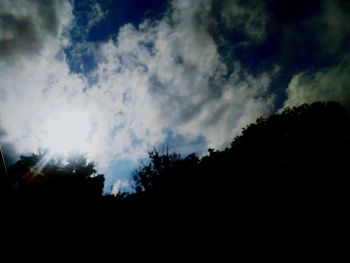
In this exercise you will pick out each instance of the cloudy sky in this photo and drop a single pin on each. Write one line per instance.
(117, 78)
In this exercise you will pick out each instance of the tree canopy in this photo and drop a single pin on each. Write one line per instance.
(45, 177)
(289, 163)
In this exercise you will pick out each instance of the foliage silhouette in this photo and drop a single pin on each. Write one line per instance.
(42, 178)
(295, 161)
(286, 170)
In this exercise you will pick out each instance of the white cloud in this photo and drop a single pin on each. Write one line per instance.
(328, 84)
(120, 186)
(34, 84)
(174, 79)
(162, 76)
(95, 16)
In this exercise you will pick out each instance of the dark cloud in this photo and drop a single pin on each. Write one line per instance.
(295, 35)
(17, 35)
(10, 153)
(316, 53)
(25, 25)
(8, 149)
(308, 37)
(333, 32)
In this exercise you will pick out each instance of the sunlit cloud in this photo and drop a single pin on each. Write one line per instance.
(67, 132)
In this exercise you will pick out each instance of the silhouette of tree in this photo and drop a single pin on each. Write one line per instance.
(292, 161)
(147, 176)
(288, 171)
(166, 182)
(44, 177)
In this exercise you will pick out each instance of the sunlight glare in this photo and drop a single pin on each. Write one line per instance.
(68, 131)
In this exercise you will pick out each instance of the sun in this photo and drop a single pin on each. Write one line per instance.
(67, 131)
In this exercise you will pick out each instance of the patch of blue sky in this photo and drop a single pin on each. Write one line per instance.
(121, 169)
(185, 145)
(123, 12)
(80, 55)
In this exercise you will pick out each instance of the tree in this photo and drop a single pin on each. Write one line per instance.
(148, 175)
(45, 177)
(286, 161)
(166, 182)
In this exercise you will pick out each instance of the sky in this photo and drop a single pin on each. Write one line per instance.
(116, 79)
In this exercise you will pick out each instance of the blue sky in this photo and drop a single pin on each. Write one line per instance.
(144, 74)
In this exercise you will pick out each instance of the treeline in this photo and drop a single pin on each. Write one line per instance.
(289, 164)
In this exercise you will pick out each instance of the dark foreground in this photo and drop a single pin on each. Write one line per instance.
(281, 187)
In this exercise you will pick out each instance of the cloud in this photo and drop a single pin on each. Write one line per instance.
(329, 78)
(235, 26)
(333, 32)
(25, 26)
(248, 18)
(167, 75)
(37, 83)
(121, 186)
(164, 80)
(161, 77)
(331, 83)
(95, 15)
(7, 149)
